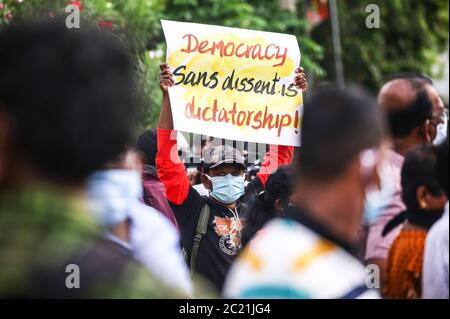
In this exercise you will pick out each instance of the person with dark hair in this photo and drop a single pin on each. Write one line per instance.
(413, 108)
(147, 144)
(309, 252)
(115, 194)
(269, 203)
(436, 256)
(425, 201)
(210, 226)
(66, 108)
(154, 194)
(414, 112)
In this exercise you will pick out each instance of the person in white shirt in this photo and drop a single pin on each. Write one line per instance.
(436, 256)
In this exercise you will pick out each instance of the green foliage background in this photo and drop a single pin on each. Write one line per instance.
(411, 36)
(137, 21)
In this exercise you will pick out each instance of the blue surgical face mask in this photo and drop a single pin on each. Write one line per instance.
(441, 133)
(227, 189)
(112, 193)
(378, 199)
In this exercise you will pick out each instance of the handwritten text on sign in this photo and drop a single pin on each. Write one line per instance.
(234, 83)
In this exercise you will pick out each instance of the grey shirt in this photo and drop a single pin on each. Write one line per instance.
(436, 260)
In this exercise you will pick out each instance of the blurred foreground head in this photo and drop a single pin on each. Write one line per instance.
(66, 101)
(342, 131)
(337, 126)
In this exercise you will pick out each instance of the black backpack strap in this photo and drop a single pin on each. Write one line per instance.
(202, 227)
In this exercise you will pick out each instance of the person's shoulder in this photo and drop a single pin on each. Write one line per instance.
(440, 230)
(151, 221)
(285, 231)
(308, 249)
(201, 189)
(443, 223)
(104, 270)
(288, 252)
(132, 280)
(281, 241)
(193, 198)
(139, 283)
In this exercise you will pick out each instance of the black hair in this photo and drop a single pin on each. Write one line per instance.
(147, 144)
(337, 125)
(403, 119)
(442, 165)
(419, 169)
(415, 76)
(261, 207)
(70, 94)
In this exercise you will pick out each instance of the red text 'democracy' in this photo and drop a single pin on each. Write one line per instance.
(240, 50)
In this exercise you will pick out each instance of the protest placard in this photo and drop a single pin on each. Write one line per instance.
(234, 83)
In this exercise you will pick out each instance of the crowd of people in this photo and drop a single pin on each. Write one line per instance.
(367, 189)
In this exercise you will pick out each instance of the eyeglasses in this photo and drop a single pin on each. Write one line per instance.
(440, 119)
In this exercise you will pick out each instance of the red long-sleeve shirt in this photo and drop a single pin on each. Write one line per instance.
(278, 155)
(171, 170)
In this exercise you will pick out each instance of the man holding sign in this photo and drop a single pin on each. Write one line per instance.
(214, 221)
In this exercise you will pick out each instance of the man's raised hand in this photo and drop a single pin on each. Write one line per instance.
(300, 79)
(165, 77)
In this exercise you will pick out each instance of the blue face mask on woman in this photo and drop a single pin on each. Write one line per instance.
(227, 189)
(112, 193)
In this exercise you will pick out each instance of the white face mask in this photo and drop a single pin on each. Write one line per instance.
(442, 130)
(112, 193)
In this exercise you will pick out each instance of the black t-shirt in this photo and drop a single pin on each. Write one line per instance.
(222, 240)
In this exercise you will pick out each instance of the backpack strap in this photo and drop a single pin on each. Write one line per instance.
(202, 227)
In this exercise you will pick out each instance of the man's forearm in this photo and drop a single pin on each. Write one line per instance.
(165, 117)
